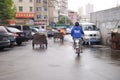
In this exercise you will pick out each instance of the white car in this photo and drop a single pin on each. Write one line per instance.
(68, 30)
(91, 33)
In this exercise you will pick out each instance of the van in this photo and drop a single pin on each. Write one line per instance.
(91, 33)
(24, 28)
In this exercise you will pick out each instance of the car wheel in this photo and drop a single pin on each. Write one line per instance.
(19, 43)
(1, 48)
(12, 45)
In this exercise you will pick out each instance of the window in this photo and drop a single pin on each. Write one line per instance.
(20, 0)
(26, 27)
(45, 16)
(89, 27)
(38, 8)
(45, 1)
(2, 30)
(20, 9)
(38, 1)
(18, 27)
(31, 9)
(38, 16)
(45, 8)
(30, 0)
(11, 29)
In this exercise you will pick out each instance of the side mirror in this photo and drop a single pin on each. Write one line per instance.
(118, 26)
(98, 28)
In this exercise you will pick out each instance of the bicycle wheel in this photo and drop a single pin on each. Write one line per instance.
(78, 51)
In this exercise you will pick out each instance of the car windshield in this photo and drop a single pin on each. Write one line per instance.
(59, 27)
(2, 29)
(13, 29)
(26, 28)
(89, 27)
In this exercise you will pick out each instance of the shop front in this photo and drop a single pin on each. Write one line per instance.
(24, 18)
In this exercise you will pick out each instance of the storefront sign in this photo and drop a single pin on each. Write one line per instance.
(24, 15)
(39, 23)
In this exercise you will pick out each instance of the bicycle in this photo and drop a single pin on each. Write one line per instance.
(78, 45)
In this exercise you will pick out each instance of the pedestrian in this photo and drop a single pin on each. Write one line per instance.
(77, 31)
(43, 31)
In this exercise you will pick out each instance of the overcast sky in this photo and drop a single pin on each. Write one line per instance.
(98, 4)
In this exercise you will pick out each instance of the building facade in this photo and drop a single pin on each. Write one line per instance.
(25, 11)
(53, 12)
(106, 20)
(63, 7)
(73, 16)
(40, 12)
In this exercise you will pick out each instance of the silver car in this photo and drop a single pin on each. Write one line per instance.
(4, 38)
(91, 33)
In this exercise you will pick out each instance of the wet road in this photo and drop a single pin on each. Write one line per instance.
(59, 62)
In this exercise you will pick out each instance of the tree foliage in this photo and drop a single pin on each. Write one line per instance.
(7, 10)
(64, 20)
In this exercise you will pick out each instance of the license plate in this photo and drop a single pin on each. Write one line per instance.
(12, 39)
(5, 38)
(93, 39)
(21, 34)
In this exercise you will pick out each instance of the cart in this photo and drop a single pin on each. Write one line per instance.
(58, 35)
(39, 39)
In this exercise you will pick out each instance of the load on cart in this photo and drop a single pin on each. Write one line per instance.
(39, 39)
(59, 34)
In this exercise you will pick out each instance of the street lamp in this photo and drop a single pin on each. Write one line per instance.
(117, 3)
(47, 13)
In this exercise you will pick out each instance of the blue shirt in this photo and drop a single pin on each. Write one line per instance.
(77, 32)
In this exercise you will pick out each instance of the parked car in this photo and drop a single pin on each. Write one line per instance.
(91, 33)
(34, 30)
(50, 33)
(12, 39)
(26, 29)
(4, 38)
(19, 35)
(68, 29)
(59, 27)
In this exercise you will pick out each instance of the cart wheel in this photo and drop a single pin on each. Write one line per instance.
(78, 54)
(46, 45)
(54, 39)
(62, 39)
(40, 45)
(33, 45)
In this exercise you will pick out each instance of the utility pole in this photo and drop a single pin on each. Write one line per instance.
(47, 13)
(117, 3)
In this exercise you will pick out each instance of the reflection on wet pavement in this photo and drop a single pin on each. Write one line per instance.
(59, 62)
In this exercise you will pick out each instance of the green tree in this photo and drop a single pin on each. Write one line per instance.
(64, 20)
(61, 19)
(7, 10)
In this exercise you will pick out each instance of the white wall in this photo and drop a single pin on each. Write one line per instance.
(106, 20)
